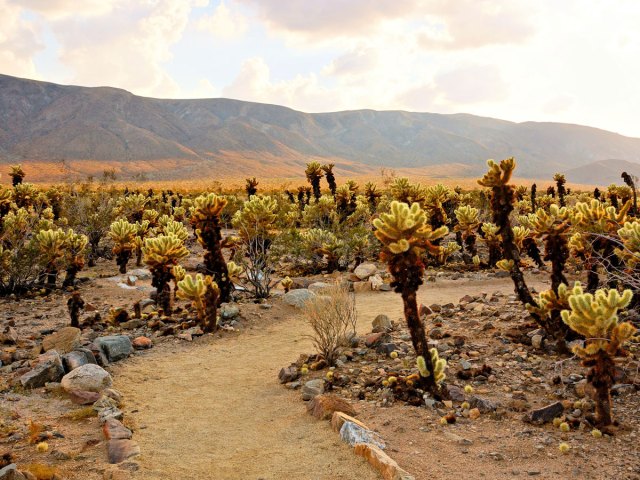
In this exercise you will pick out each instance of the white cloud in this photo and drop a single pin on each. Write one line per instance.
(224, 23)
(472, 84)
(356, 62)
(19, 42)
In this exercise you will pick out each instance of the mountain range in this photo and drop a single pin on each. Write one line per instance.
(54, 129)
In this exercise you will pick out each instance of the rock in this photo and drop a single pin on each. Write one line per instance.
(140, 273)
(384, 464)
(89, 377)
(107, 414)
(536, 341)
(116, 395)
(105, 402)
(365, 270)
(288, 374)
(63, 341)
(297, 298)
(9, 336)
(312, 388)
(385, 287)
(118, 450)
(360, 287)
(339, 418)
(141, 343)
(375, 339)
(114, 347)
(457, 438)
(114, 430)
(82, 397)
(381, 324)
(352, 433)
(229, 311)
(323, 406)
(77, 358)
(133, 324)
(318, 287)
(376, 282)
(544, 414)
(10, 472)
(474, 414)
(482, 404)
(48, 369)
(387, 348)
(131, 280)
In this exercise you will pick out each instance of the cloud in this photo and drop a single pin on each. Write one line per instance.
(329, 17)
(224, 23)
(352, 63)
(557, 104)
(19, 42)
(54, 9)
(421, 98)
(472, 84)
(126, 47)
(253, 83)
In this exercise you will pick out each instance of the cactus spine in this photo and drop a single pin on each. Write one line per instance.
(203, 293)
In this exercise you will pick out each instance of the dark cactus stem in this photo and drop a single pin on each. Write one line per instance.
(75, 305)
(470, 244)
(290, 196)
(557, 251)
(407, 272)
(301, 198)
(122, 259)
(214, 259)
(551, 192)
(137, 310)
(211, 298)
(251, 189)
(307, 194)
(70, 277)
(601, 377)
(560, 182)
(331, 178)
(533, 251)
(614, 200)
(161, 277)
(534, 203)
(593, 279)
(628, 179)
(596, 193)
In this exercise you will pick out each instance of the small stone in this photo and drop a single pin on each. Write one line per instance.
(457, 438)
(107, 414)
(104, 402)
(288, 374)
(318, 287)
(114, 347)
(77, 358)
(297, 298)
(482, 404)
(229, 311)
(10, 472)
(536, 341)
(323, 406)
(119, 450)
(376, 282)
(82, 397)
(142, 343)
(474, 414)
(544, 414)
(312, 388)
(375, 339)
(90, 378)
(379, 460)
(381, 324)
(48, 369)
(456, 393)
(9, 336)
(63, 341)
(365, 270)
(352, 433)
(114, 429)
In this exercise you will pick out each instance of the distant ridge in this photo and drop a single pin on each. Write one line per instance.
(85, 130)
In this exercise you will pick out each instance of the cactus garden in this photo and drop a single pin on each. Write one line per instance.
(492, 328)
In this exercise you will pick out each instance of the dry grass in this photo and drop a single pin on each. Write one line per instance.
(42, 471)
(332, 316)
(81, 414)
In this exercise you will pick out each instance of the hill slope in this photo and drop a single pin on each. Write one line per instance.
(603, 172)
(95, 128)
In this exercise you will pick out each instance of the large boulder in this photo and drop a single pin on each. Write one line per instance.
(89, 378)
(63, 341)
(114, 347)
(10, 472)
(77, 358)
(48, 369)
(365, 270)
(298, 298)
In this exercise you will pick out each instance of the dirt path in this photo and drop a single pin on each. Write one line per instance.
(216, 411)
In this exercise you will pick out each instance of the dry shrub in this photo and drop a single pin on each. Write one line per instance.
(332, 316)
(41, 471)
(81, 414)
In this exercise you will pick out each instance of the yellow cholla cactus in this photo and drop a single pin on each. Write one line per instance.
(548, 301)
(151, 216)
(234, 269)
(630, 236)
(520, 234)
(439, 366)
(195, 289)
(556, 221)
(596, 318)
(506, 265)
(257, 217)
(498, 174)
(287, 283)
(178, 273)
(468, 219)
(405, 228)
(177, 229)
(123, 234)
(207, 207)
(597, 217)
(51, 244)
(132, 206)
(402, 190)
(444, 252)
(490, 231)
(163, 250)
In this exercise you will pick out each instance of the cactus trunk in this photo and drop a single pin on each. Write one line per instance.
(210, 317)
(601, 378)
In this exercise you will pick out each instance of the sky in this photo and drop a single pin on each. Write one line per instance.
(575, 61)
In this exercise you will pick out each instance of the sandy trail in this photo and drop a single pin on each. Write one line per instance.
(216, 411)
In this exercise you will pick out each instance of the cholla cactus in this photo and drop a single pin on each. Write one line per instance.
(405, 236)
(318, 244)
(25, 195)
(444, 252)
(205, 217)
(75, 246)
(321, 214)
(346, 200)
(331, 178)
(203, 293)
(16, 174)
(256, 219)
(286, 283)
(435, 198)
(372, 195)
(553, 228)
(132, 207)
(234, 270)
(123, 235)
(404, 191)
(492, 238)
(630, 237)
(560, 182)
(251, 186)
(314, 173)
(439, 366)
(161, 254)
(51, 245)
(596, 318)
(468, 223)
